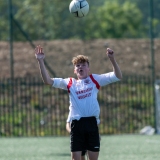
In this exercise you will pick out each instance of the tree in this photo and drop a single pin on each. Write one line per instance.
(48, 20)
(4, 24)
(144, 7)
(115, 20)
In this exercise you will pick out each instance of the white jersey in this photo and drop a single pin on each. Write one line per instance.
(83, 94)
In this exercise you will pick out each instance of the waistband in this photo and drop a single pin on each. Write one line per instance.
(85, 118)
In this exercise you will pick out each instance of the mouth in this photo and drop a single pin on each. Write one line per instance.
(80, 70)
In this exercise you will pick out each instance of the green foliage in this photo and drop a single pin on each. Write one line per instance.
(4, 23)
(116, 20)
(48, 20)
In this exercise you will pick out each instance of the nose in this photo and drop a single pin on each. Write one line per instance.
(80, 66)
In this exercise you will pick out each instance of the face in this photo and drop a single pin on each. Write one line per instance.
(81, 70)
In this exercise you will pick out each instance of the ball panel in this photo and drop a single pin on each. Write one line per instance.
(79, 8)
(85, 10)
(72, 7)
(83, 3)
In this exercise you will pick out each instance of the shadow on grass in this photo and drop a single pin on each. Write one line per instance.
(61, 154)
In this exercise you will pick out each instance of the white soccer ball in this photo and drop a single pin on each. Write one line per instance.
(79, 8)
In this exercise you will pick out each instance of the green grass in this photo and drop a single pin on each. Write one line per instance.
(117, 147)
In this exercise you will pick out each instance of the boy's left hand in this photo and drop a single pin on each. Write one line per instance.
(110, 53)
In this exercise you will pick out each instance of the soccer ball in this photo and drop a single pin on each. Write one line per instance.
(79, 8)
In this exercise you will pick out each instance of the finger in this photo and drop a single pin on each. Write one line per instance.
(108, 49)
(41, 50)
(38, 49)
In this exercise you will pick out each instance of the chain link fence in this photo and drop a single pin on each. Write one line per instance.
(126, 107)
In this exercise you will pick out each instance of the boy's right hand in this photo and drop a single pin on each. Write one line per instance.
(39, 53)
(68, 127)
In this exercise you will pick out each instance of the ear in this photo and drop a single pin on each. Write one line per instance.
(74, 71)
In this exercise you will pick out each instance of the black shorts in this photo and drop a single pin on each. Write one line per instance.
(85, 135)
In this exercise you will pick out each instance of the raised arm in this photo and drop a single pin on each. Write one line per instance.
(116, 69)
(40, 58)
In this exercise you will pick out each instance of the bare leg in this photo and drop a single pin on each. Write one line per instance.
(76, 155)
(83, 157)
(93, 155)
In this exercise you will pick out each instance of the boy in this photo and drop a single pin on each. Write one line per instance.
(84, 107)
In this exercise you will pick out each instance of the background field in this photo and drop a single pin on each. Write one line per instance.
(118, 147)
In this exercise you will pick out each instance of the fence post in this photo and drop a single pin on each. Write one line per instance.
(152, 57)
(11, 51)
(157, 94)
(11, 38)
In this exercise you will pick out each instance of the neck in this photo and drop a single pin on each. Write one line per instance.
(82, 77)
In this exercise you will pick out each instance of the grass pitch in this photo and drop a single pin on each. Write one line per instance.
(117, 147)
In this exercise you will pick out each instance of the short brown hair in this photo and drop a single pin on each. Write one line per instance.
(80, 59)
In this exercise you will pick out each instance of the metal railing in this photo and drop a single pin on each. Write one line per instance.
(41, 110)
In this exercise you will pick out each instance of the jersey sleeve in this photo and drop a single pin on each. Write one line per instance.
(105, 79)
(60, 83)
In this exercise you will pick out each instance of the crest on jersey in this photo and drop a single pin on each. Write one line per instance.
(87, 81)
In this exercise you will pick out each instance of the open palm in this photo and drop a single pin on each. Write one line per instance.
(39, 53)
